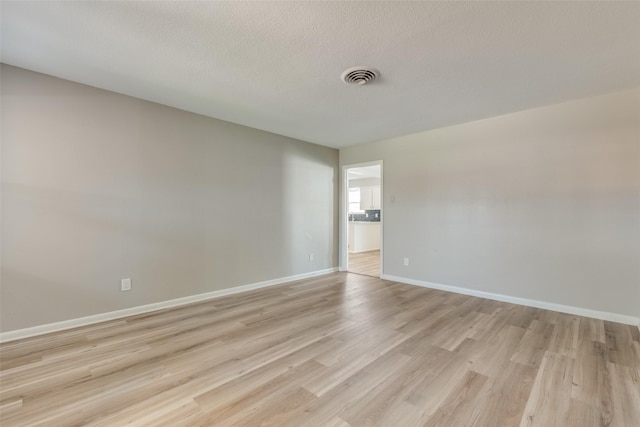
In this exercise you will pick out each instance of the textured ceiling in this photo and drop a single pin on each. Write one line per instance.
(364, 172)
(276, 65)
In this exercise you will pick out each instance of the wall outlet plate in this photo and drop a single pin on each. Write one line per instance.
(406, 261)
(125, 285)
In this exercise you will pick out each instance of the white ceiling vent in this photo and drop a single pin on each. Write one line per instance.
(360, 75)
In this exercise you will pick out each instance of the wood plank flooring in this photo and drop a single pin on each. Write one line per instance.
(338, 350)
(367, 263)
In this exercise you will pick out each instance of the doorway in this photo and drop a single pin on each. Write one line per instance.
(362, 219)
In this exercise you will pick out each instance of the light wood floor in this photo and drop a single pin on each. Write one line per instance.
(337, 350)
(365, 263)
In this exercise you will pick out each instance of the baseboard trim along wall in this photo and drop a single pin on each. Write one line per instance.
(97, 318)
(602, 315)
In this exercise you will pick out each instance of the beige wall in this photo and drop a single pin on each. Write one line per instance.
(542, 204)
(98, 186)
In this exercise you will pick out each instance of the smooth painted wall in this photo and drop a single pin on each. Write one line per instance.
(98, 186)
(541, 204)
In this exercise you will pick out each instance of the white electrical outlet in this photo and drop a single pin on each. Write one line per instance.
(311, 256)
(406, 261)
(125, 285)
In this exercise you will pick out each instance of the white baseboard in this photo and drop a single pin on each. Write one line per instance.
(602, 315)
(96, 318)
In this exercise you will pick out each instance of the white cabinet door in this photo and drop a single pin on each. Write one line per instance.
(366, 199)
(369, 198)
(352, 236)
(375, 197)
(366, 236)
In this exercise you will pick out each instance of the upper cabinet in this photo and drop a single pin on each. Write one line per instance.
(365, 198)
(369, 198)
(375, 195)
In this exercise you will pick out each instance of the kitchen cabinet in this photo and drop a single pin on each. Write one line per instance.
(369, 198)
(364, 236)
(375, 195)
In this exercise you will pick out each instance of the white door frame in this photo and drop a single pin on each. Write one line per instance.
(343, 264)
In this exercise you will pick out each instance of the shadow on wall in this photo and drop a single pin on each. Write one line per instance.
(310, 198)
(107, 187)
(65, 252)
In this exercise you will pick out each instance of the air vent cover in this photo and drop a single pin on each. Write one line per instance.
(360, 75)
